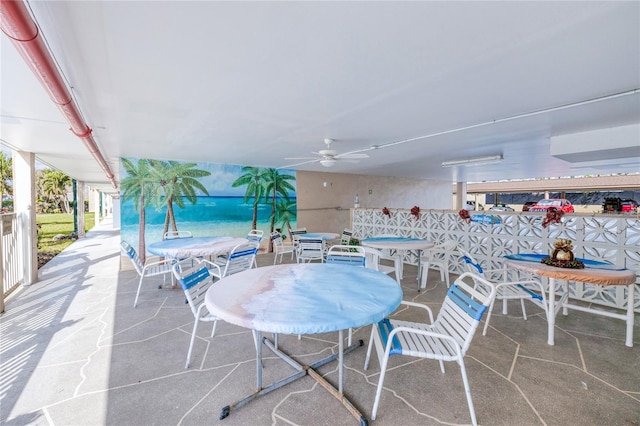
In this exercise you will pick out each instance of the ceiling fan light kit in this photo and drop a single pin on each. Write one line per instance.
(473, 161)
(329, 157)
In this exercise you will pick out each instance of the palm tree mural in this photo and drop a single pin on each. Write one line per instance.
(178, 181)
(252, 177)
(138, 186)
(54, 186)
(276, 184)
(285, 213)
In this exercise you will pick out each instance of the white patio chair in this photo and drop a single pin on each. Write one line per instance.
(506, 290)
(194, 276)
(295, 238)
(446, 339)
(438, 257)
(345, 239)
(169, 235)
(310, 249)
(149, 269)
(279, 247)
(346, 255)
(255, 235)
(241, 258)
(374, 256)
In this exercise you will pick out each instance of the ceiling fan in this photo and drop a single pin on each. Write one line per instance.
(328, 157)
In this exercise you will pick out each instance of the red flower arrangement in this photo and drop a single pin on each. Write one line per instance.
(386, 212)
(415, 211)
(554, 215)
(464, 215)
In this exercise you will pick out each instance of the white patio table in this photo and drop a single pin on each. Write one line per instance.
(304, 298)
(595, 272)
(400, 244)
(181, 248)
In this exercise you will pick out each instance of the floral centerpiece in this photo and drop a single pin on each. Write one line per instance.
(562, 255)
(415, 211)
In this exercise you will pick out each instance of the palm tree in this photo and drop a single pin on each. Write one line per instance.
(178, 180)
(6, 176)
(285, 213)
(252, 177)
(54, 186)
(140, 185)
(274, 184)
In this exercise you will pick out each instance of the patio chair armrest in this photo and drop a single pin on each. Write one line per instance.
(450, 340)
(167, 262)
(214, 268)
(419, 305)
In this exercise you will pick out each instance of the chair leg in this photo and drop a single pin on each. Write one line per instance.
(383, 370)
(366, 360)
(135, 302)
(425, 273)
(213, 329)
(467, 392)
(193, 338)
(349, 341)
(524, 310)
(486, 324)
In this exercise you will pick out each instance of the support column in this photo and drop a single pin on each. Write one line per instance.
(80, 208)
(115, 205)
(461, 195)
(24, 204)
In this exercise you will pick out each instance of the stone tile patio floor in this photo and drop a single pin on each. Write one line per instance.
(74, 351)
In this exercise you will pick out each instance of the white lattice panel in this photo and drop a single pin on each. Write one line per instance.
(612, 238)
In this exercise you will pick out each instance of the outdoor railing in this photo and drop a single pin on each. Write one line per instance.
(614, 238)
(11, 267)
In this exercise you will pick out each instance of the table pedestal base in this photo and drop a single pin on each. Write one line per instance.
(303, 370)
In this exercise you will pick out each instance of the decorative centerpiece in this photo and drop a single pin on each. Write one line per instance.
(464, 215)
(415, 211)
(562, 255)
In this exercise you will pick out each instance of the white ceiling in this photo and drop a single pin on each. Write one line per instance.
(254, 82)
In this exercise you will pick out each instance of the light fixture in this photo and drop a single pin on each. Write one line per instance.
(328, 162)
(473, 161)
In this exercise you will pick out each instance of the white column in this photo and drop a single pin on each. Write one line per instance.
(24, 204)
(461, 195)
(116, 212)
(80, 206)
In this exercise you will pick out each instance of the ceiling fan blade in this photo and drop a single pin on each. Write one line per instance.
(352, 156)
(301, 158)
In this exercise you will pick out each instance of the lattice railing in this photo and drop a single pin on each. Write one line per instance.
(612, 238)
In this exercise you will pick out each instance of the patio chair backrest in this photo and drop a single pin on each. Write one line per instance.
(169, 235)
(346, 255)
(462, 310)
(241, 258)
(195, 279)
(276, 237)
(130, 252)
(255, 235)
(310, 249)
(346, 236)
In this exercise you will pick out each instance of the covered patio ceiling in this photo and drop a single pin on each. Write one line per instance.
(411, 84)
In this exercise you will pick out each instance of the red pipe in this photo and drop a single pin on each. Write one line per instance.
(17, 24)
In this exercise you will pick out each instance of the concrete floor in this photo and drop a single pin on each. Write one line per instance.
(73, 351)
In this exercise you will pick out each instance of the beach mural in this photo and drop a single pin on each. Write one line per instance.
(206, 199)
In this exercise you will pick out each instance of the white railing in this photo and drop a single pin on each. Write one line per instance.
(615, 238)
(11, 257)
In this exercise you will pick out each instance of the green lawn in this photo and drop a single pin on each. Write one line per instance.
(58, 223)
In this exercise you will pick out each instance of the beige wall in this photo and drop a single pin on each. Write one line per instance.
(327, 208)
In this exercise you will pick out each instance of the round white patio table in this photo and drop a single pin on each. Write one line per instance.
(400, 244)
(304, 298)
(595, 272)
(181, 248)
(319, 235)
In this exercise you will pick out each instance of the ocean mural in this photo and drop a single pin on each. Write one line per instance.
(206, 199)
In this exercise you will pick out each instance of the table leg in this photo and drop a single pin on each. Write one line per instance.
(259, 360)
(302, 370)
(340, 360)
(630, 314)
(551, 319)
(419, 271)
